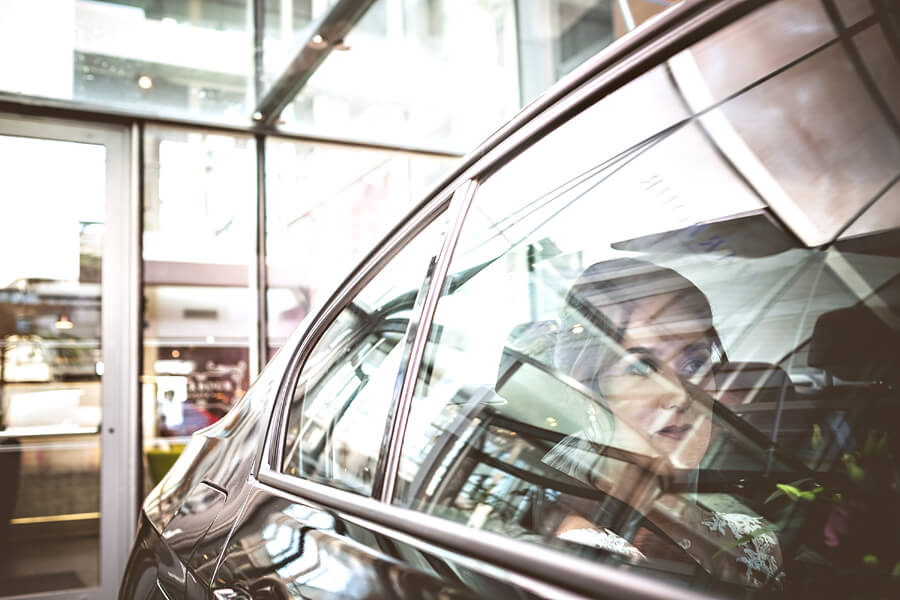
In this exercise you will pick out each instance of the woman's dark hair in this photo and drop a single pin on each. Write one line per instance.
(623, 283)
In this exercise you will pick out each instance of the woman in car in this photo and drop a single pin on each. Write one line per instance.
(641, 338)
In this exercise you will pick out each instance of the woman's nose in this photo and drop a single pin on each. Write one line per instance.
(672, 392)
(680, 398)
(692, 394)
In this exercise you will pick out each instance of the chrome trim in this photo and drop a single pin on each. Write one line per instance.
(230, 594)
(162, 590)
(509, 555)
(270, 452)
(460, 203)
(412, 327)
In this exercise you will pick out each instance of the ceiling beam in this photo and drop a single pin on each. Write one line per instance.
(319, 38)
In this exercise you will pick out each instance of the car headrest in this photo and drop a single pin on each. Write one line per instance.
(750, 382)
(855, 344)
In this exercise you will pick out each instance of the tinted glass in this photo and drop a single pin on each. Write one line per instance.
(635, 361)
(343, 394)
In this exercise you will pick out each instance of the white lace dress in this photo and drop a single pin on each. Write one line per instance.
(758, 553)
(756, 556)
(753, 561)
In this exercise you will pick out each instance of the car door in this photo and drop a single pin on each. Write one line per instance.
(294, 537)
(427, 465)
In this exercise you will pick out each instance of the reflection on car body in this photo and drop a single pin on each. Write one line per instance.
(642, 344)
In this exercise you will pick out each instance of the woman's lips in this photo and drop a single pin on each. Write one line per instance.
(676, 432)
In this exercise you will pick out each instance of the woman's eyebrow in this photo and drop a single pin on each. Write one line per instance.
(641, 350)
(703, 344)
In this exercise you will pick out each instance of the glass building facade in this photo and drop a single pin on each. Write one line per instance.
(268, 146)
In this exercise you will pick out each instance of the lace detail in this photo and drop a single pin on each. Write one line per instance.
(605, 540)
(758, 552)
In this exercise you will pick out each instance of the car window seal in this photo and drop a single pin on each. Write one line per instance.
(412, 327)
(459, 207)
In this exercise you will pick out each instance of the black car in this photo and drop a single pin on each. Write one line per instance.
(644, 343)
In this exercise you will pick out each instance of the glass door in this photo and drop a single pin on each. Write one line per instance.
(68, 331)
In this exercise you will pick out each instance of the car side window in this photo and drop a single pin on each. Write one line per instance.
(340, 403)
(634, 361)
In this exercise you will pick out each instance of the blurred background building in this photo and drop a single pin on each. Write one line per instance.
(181, 183)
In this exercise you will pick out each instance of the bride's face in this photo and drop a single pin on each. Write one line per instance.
(647, 383)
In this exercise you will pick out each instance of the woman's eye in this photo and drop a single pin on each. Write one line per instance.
(692, 367)
(640, 367)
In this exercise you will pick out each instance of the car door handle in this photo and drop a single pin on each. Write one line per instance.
(231, 594)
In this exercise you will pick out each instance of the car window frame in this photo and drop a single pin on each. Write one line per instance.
(271, 451)
(596, 79)
(541, 569)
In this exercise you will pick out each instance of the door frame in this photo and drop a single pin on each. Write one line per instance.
(120, 341)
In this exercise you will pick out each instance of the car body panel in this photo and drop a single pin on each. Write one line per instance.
(284, 549)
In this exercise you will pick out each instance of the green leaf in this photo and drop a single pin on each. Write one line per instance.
(789, 490)
(795, 493)
(778, 492)
(896, 570)
(871, 560)
(855, 472)
(818, 440)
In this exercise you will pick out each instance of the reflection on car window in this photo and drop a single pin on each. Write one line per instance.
(340, 405)
(634, 361)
